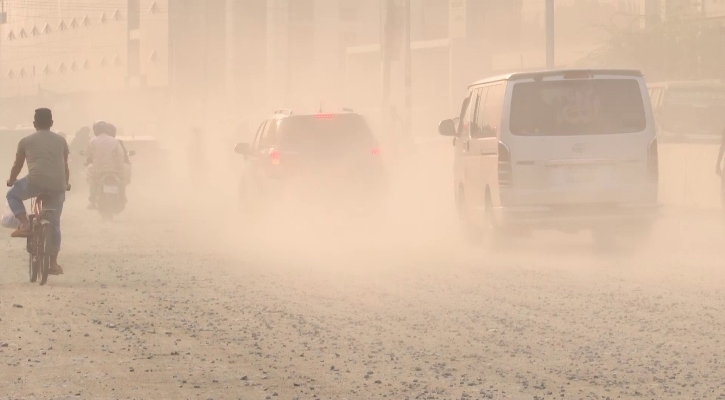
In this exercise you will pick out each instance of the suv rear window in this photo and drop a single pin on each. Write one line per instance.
(325, 132)
(577, 107)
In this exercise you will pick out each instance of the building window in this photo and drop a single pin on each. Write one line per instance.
(117, 62)
(22, 72)
(11, 74)
(62, 68)
(62, 26)
(116, 15)
(35, 31)
(74, 66)
(22, 34)
(47, 70)
(73, 23)
(154, 7)
(103, 62)
(86, 21)
(11, 35)
(103, 18)
(86, 65)
(46, 29)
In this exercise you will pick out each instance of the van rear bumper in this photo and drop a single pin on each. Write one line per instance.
(578, 216)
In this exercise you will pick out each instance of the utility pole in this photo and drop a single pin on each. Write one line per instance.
(408, 118)
(386, 11)
(550, 61)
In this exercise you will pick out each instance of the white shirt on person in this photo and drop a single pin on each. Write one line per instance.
(106, 155)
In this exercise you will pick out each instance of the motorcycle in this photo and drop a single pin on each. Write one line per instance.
(110, 200)
(110, 194)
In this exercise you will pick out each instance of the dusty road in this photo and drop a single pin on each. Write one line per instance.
(160, 305)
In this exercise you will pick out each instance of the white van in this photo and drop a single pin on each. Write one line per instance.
(566, 150)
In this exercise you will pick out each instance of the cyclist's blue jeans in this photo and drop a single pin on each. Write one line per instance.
(21, 191)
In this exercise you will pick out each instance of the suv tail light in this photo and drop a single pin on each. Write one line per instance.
(274, 156)
(375, 151)
(505, 173)
(653, 161)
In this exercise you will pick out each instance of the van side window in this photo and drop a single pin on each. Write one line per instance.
(480, 113)
(493, 110)
(477, 99)
(462, 123)
(467, 115)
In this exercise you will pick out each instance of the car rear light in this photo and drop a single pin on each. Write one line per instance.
(653, 163)
(324, 116)
(274, 156)
(505, 174)
(376, 151)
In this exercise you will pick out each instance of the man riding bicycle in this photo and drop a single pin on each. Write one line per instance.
(105, 156)
(47, 156)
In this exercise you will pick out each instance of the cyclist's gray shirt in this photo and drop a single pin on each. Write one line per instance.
(45, 153)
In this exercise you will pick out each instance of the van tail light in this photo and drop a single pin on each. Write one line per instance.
(653, 164)
(505, 173)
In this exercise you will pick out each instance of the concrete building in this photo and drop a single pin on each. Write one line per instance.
(66, 53)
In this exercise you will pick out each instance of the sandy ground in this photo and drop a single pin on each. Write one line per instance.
(176, 300)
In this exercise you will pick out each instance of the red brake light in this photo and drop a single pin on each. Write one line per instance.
(376, 151)
(324, 116)
(274, 156)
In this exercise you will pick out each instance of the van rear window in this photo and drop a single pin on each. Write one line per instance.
(577, 107)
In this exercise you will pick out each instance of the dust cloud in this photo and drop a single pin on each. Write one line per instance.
(186, 294)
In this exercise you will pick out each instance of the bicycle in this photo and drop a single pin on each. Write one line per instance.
(39, 242)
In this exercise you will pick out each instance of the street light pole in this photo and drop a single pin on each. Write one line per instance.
(385, 59)
(408, 74)
(550, 61)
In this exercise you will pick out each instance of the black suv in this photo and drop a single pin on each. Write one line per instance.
(329, 160)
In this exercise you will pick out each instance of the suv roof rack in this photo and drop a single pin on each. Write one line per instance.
(283, 111)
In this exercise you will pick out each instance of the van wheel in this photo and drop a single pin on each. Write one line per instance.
(472, 234)
(496, 238)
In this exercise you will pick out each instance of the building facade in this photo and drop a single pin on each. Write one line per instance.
(62, 52)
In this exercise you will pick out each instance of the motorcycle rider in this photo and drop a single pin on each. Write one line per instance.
(126, 178)
(105, 156)
(81, 140)
(47, 156)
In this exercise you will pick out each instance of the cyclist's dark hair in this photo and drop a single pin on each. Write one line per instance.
(43, 118)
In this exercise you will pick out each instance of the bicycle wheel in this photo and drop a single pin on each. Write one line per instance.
(33, 252)
(44, 244)
(33, 267)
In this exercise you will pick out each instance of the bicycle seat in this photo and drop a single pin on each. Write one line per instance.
(44, 196)
(42, 199)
